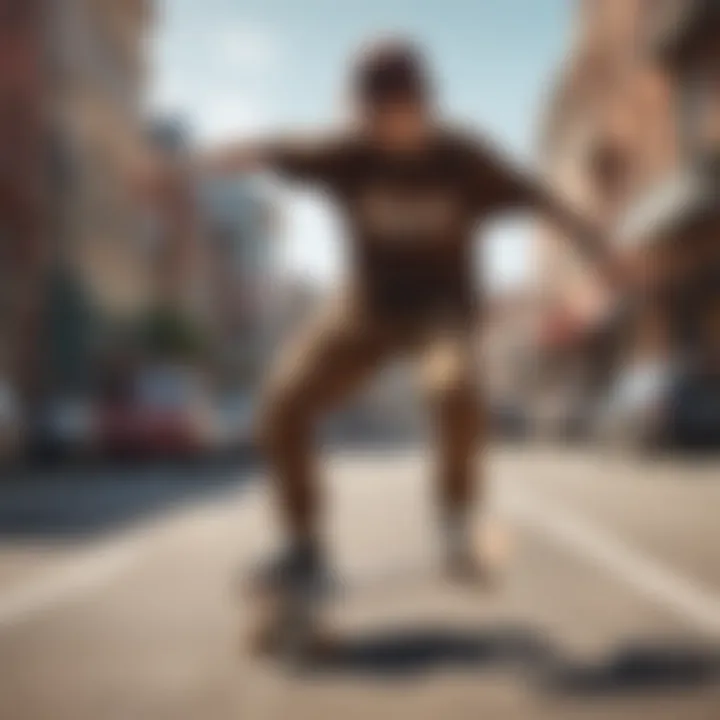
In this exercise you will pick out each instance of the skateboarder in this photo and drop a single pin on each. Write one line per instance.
(413, 190)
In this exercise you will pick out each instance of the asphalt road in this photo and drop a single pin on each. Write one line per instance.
(117, 602)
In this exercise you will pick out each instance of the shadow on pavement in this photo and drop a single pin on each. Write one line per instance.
(634, 669)
(407, 652)
(77, 503)
(640, 668)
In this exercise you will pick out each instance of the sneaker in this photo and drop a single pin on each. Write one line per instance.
(286, 594)
(295, 570)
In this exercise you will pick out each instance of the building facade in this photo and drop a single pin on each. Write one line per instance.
(23, 207)
(631, 137)
(98, 57)
(71, 81)
(174, 212)
(240, 287)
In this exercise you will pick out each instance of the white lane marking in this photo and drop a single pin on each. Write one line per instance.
(96, 568)
(657, 583)
(77, 577)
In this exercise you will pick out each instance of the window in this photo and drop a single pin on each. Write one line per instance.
(699, 112)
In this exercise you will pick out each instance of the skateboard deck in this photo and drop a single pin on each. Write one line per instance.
(297, 628)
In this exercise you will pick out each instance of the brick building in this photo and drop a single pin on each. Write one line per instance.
(240, 286)
(632, 137)
(179, 258)
(23, 207)
(71, 79)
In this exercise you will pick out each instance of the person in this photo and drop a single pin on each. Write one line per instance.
(413, 190)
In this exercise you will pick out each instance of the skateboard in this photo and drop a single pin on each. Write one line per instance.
(294, 627)
(290, 626)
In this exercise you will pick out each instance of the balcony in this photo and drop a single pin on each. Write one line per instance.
(679, 27)
(690, 196)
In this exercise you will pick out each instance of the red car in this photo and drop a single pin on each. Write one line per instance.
(168, 414)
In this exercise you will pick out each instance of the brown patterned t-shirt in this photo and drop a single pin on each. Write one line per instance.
(411, 217)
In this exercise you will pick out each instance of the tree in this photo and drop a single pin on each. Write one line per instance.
(170, 335)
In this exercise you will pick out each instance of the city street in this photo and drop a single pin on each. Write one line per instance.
(117, 598)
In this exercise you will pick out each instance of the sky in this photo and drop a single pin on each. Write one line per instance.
(250, 68)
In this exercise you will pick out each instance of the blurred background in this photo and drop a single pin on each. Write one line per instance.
(134, 323)
(136, 326)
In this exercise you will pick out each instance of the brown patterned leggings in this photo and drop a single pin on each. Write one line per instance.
(328, 361)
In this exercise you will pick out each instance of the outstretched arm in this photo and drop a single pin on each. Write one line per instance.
(232, 159)
(584, 235)
(165, 171)
(313, 159)
(503, 186)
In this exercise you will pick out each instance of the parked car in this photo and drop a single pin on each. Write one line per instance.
(693, 411)
(663, 405)
(63, 428)
(167, 413)
(11, 423)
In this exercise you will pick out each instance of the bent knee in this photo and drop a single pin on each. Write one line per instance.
(456, 400)
(450, 386)
(457, 407)
(285, 410)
